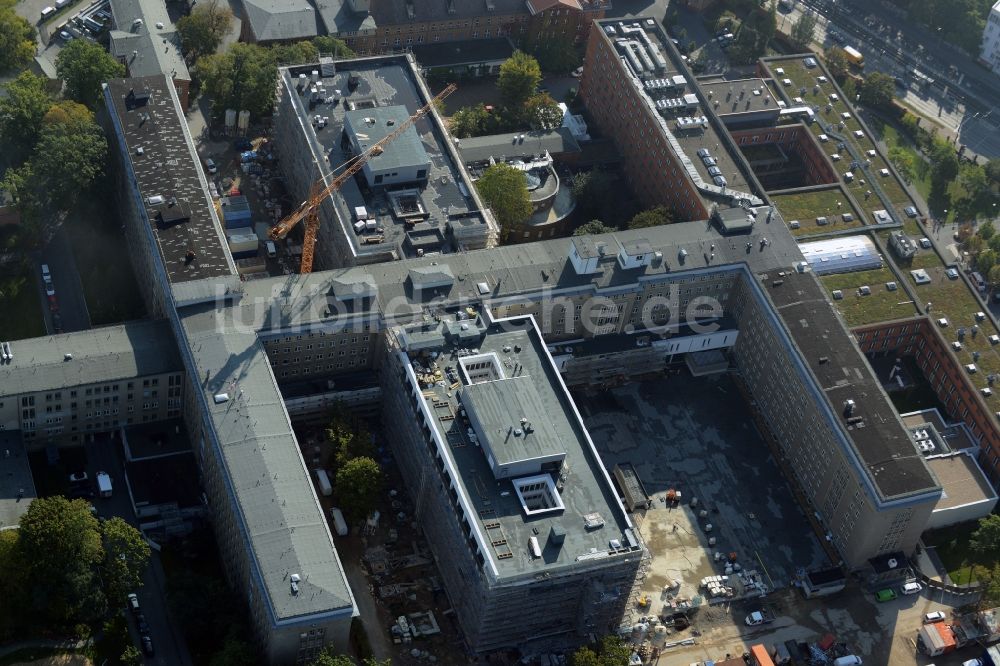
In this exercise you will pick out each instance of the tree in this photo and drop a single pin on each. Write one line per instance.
(22, 110)
(17, 38)
(358, 483)
(614, 652)
(519, 79)
(993, 170)
(877, 90)
(944, 162)
(234, 652)
(298, 53)
(59, 542)
(542, 112)
(349, 441)
(244, 77)
(804, 29)
(970, 192)
(986, 230)
(506, 192)
(754, 35)
(327, 658)
(986, 260)
(994, 243)
(202, 30)
(593, 193)
(654, 217)
(470, 121)
(585, 657)
(994, 276)
(904, 161)
(557, 56)
(330, 45)
(70, 153)
(126, 554)
(12, 584)
(130, 656)
(593, 227)
(985, 541)
(837, 62)
(84, 65)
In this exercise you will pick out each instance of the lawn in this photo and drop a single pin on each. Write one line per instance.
(101, 255)
(880, 305)
(45, 657)
(807, 206)
(952, 546)
(23, 311)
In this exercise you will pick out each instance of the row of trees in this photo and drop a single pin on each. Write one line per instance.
(958, 21)
(63, 568)
(17, 39)
(245, 75)
(522, 106)
(54, 149)
(357, 475)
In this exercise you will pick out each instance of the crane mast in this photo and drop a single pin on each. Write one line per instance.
(309, 209)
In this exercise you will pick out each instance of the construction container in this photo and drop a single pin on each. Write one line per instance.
(243, 242)
(236, 212)
(230, 118)
(255, 264)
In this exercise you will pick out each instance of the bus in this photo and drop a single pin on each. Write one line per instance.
(854, 56)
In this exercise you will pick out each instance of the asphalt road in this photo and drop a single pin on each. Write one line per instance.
(965, 93)
(72, 313)
(170, 648)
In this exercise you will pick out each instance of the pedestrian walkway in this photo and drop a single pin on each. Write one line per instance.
(65, 644)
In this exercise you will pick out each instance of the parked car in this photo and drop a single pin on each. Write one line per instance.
(913, 587)
(78, 477)
(133, 602)
(885, 594)
(577, 73)
(210, 165)
(65, 36)
(934, 616)
(141, 624)
(147, 646)
(50, 289)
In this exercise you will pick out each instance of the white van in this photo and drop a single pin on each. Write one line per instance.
(912, 587)
(47, 12)
(849, 660)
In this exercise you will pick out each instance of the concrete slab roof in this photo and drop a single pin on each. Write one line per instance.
(97, 355)
(962, 481)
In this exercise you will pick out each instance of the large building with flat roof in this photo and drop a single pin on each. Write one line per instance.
(675, 150)
(417, 195)
(519, 510)
(270, 526)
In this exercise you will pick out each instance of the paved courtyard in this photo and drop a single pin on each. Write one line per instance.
(697, 436)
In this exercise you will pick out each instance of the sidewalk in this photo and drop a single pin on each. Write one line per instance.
(65, 644)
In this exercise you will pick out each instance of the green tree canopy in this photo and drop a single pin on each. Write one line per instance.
(594, 194)
(593, 227)
(330, 45)
(244, 77)
(985, 541)
(358, 484)
(971, 192)
(986, 260)
(804, 29)
(754, 35)
(126, 555)
(84, 65)
(59, 543)
(506, 192)
(993, 170)
(556, 55)
(17, 38)
(234, 652)
(519, 79)
(986, 230)
(944, 162)
(611, 652)
(202, 30)
(349, 440)
(653, 217)
(130, 656)
(328, 658)
(877, 90)
(904, 161)
(994, 276)
(22, 110)
(70, 153)
(837, 62)
(470, 121)
(542, 112)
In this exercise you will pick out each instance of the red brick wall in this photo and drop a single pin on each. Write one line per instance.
(617, 108)
(921, 340)
(797, 139)
(387, 38)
